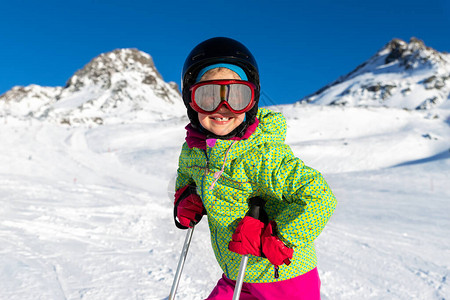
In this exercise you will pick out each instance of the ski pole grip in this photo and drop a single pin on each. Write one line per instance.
(256, 209)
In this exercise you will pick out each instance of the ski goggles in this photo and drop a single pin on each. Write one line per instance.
(208, 96)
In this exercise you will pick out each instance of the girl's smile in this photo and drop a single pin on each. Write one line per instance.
(221, 123)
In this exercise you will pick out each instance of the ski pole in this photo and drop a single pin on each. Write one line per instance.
(240, 278)
(256, 211)
(176, 279)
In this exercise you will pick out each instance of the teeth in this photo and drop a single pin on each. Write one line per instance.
(221, 119)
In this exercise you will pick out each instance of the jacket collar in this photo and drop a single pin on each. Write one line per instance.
(197, 139)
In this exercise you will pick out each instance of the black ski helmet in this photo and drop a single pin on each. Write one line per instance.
(213, 51)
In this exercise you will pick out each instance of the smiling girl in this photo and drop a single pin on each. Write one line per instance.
(235, 151)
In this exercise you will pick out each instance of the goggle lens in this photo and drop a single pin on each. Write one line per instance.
(208, 96)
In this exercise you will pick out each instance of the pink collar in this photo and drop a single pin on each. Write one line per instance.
(196, 139)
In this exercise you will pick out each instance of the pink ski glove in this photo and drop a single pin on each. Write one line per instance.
(273, 248)
(247, 237)
(189, 208)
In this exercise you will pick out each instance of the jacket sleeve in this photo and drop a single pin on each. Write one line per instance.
(299, 199)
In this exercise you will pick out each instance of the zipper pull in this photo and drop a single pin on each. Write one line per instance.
(276, 275)
(207, 167)
(207, 162)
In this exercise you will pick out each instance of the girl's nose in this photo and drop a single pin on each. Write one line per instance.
(224, 108)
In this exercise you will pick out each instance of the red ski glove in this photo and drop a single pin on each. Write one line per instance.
(253, 237)
(273, 248)
(189, 208)
(247, 237)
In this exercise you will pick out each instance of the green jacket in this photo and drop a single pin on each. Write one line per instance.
(298, 198)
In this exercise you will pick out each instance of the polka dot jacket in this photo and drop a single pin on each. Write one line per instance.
(229, 172)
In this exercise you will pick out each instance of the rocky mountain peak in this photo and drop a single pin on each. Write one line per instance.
(411, 55)
(100, 70)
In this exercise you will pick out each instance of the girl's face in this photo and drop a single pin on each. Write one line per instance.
(223, 121)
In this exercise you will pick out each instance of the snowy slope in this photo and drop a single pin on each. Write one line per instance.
(87, 174)
(86, 212)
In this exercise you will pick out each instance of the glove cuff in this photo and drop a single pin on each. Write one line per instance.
(273, 248)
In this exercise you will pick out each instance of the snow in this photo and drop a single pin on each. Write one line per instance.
(86, 211)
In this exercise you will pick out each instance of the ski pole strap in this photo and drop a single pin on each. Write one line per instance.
(181, 194)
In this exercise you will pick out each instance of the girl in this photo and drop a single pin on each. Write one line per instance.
(235, 152)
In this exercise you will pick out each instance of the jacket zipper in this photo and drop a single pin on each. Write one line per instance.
(215, 234)
(205, 173)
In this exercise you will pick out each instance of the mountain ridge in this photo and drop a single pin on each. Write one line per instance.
(124, 85)
(121, 84)
(403, 75)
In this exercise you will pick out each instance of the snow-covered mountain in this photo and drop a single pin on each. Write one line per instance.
(403, 75)
(118, 86)
(124, 86)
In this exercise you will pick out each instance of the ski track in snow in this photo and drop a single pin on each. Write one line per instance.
(86, 213)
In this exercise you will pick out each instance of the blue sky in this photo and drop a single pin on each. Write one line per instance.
(300, 46)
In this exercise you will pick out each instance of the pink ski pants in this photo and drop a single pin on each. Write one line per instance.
(303, 287)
